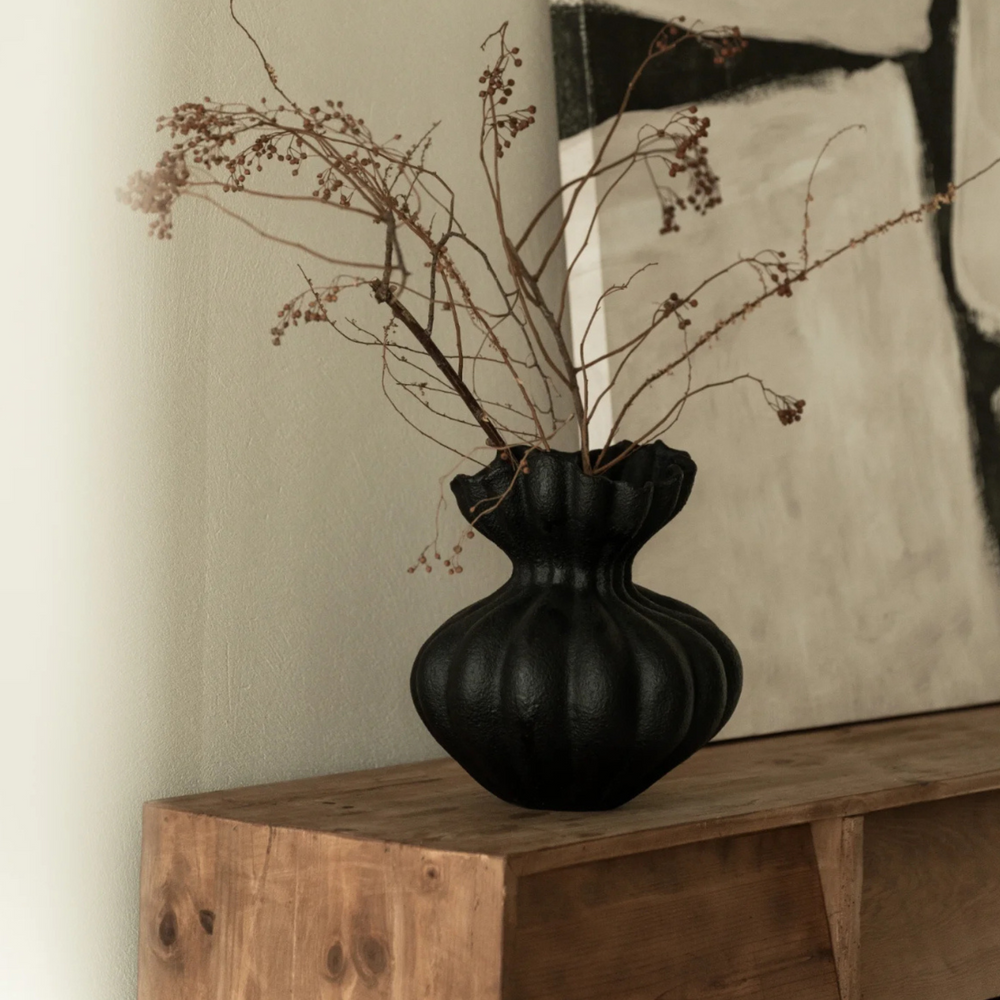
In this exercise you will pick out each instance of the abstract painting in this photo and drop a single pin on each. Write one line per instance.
(853, 556)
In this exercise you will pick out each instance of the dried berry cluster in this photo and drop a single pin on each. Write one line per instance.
(508, 126)
(725, 44)
(788, 408)
(673, 305)
(155, 193)
(772, 269)
(728, 47)
(287, 134)
(451, 563)
(505, 126)
(307, 307)
(690, 156)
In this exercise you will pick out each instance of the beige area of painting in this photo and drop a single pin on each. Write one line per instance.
(887, 27)
(582, 243)
(977, 142)
(846, 556)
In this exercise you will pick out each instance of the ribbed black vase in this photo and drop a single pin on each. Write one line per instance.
(570, 687)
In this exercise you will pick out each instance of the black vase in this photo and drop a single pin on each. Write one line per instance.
(570, 687)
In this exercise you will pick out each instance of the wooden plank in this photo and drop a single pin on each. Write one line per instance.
(839, 855)
(930, 915)
(733, 919)
(302, 915)
(725, 790)
(177, 913)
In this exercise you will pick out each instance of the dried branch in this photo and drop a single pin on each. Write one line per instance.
(806, 221)
(383, 293)
(328, 157)
(783, 289)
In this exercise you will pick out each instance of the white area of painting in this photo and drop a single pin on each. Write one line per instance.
(887, 27)
(582, 240)
(847, 556)
(977, 142)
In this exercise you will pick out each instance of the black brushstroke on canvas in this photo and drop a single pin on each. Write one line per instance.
(932, 81)
(597, 48)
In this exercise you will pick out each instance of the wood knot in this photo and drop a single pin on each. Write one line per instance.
(371, 959)
(207, 920)
(431, 873)
(167, 930)
(335, 961)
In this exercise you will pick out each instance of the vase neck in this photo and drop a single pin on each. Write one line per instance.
(610, 573)
(557, 524)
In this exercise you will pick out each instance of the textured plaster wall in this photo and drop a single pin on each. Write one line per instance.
(205, 538)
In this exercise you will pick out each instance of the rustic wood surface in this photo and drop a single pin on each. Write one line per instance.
(734, 919)
(237, 911)
(857, 862)
(839, 847)
(930, 917)
(726, 789)
(178, 909)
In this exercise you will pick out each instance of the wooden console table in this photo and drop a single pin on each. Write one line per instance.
(838, 864)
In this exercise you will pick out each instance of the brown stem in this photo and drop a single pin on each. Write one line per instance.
(658, 47)
(384, 294)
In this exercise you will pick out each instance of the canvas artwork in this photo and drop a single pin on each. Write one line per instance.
(852, 557)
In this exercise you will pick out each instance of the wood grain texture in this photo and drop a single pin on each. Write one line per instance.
(725, 790)
(930, 916)
(763, 882)
(256, 912)
(177, 913)
(839, 847)
(734, 919)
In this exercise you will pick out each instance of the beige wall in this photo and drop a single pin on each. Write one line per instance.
(205, 537)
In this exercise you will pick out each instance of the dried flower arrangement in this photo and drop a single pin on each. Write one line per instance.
(501, 317)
